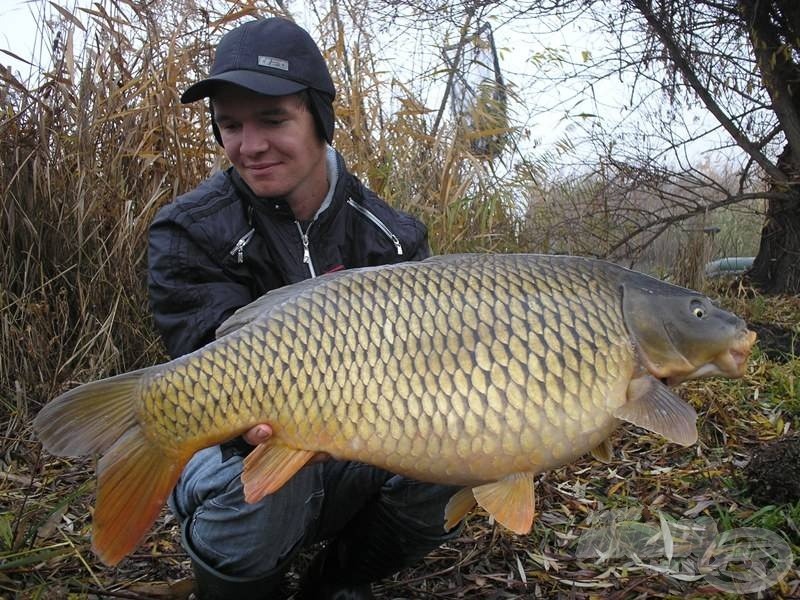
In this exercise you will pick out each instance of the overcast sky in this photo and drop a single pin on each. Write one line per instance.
(17, 32)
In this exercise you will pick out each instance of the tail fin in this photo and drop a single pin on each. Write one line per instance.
(133, 482)
(90, 418)
(134, 476)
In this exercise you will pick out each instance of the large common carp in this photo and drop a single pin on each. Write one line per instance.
(474, 370)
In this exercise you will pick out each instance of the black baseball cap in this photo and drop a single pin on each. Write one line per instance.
(273, 57)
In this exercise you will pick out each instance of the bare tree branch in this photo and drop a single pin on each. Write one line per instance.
(683, 65)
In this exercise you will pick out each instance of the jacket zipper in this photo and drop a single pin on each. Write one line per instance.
(238, 249)
(379, 224)
(306, 251)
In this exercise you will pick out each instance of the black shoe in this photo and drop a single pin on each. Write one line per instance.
(325, 579)
(210, 584)
(213, 585)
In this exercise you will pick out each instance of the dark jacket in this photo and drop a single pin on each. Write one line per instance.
(219, 247)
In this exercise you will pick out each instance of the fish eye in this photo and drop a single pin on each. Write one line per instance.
(698, 310)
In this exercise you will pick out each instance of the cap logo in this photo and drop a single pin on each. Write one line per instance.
(275, 63)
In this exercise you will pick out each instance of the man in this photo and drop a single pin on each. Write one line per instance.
(285, 211)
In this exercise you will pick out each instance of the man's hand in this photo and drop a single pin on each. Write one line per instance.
(258, 434)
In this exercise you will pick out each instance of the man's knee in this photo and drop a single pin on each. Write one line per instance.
(248, 540)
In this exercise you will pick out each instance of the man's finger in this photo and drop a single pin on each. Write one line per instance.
(258, 434)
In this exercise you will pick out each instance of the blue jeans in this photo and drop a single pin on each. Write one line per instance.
(253, 540)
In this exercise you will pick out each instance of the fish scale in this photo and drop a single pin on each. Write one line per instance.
(476, 370)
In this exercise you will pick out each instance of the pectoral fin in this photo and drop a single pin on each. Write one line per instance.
(268, 467)
(604, 452)
(653, 406)
(510, 501)
(457, 507)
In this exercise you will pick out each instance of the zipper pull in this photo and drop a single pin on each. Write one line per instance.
(397, 244)
(238, 249)
(306, 252)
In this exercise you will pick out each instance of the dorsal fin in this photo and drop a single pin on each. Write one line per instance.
(272, 299)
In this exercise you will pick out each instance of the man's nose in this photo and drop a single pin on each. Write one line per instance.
(254, 140)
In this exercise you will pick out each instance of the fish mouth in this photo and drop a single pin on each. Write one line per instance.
(732, 362)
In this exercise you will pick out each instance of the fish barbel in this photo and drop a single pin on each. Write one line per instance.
(473, 370)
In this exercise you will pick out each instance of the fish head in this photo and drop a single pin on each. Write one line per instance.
(680, 334)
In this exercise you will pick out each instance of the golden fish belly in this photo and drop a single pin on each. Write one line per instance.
(459, 373)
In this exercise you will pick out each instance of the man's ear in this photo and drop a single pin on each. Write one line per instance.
(214, 127)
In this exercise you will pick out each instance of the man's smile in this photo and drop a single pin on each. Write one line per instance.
(262, 166)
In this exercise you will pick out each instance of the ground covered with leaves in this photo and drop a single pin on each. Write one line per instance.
(658, 521)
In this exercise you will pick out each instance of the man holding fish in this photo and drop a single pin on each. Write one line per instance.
(476, 372)
(287, 210)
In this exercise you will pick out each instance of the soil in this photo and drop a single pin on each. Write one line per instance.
(778, 343)
(773, 474)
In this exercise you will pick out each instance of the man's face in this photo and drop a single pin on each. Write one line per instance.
(272, 142)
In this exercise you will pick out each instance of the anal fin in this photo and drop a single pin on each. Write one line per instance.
(510, 501)
(653, 406)
(457, 507)
(269, 466)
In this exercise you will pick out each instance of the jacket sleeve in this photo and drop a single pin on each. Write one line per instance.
(190, 294)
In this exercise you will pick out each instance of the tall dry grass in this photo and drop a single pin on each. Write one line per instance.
(88, 151)
(401, 155)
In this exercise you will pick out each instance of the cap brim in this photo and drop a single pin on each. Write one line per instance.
(255, 81)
